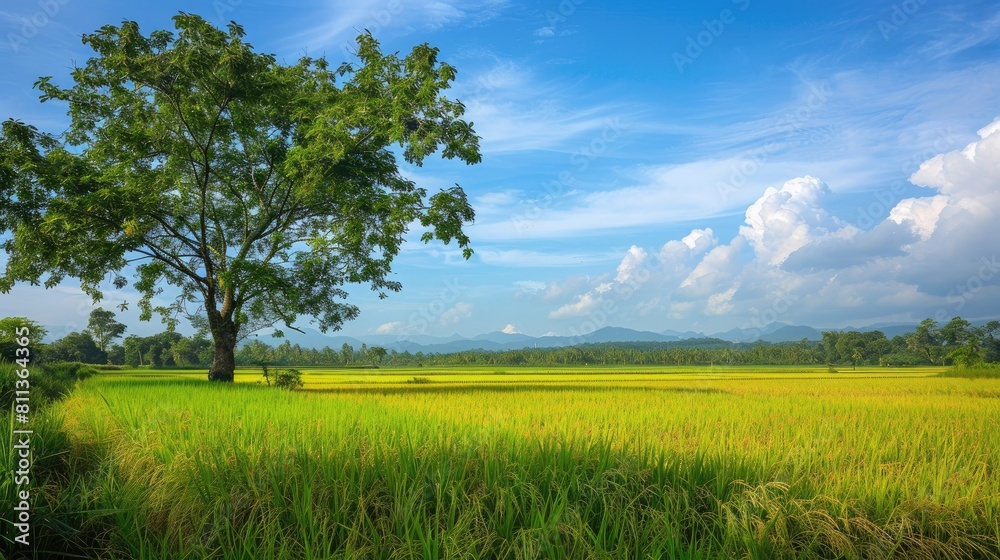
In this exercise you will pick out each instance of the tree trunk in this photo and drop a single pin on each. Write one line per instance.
(224, 362)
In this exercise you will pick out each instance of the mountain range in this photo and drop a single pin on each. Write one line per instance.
(498, 341)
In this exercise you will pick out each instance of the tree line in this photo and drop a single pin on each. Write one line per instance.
(957, 342)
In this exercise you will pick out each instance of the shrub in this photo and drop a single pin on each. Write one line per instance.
(288, 379)
(419, 380)
(978, 371)
(71, 370)
(47, 383)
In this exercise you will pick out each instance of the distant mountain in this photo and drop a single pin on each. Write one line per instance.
(390, 339)
(310, 339)
(775, 332)
(790, 333)
(621, 334)
(889, 329)
(494, 341)
(498, 341)
(503, 338)
(683, 335)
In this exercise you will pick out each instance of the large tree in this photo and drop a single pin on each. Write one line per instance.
(926, 340)
(104, 328)
(256, 189)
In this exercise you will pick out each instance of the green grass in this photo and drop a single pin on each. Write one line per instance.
(977, 371)
(540, 463)
(334, 378)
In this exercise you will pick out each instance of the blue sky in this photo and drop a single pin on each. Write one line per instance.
(653, 165)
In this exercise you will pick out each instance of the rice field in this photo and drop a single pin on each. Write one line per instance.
(535, 463)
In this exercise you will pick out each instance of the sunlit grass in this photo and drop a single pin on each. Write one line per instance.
(326, 378)
(539, 464)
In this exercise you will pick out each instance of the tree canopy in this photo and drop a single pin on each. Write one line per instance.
(104, 328)
(15, 329)
(256, 189)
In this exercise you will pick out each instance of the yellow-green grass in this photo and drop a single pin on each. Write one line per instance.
(580, 463)
(327, 378)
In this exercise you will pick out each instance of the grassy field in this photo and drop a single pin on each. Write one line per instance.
(323, 378)
(533, 463)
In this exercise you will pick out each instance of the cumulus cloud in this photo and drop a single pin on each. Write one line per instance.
(510, 329)
(583, 305)
(720, 303)
(716, 269)
(835, 252)
(459, 311)
(794, 260)
(634, 260)
(786, 219)
(393, 327)
(699, 240)
(921, 214)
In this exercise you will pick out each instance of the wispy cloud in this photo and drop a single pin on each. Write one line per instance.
(529, 258)
(341, 21)
(656, 196)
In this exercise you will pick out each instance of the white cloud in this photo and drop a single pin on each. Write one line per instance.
(569, 287)
(699, 240)
(510, 329)
(930, 256)
(496, 202)
(784, 220)
(583, 305)
(715, 270)
(634, 260)
(654, 195)
(547, 31)
(525, 258)
(920, 213)
(458, 312)
(989, 129)
(343, 21)
(720, 303)
(393, 327)
(530, 286)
